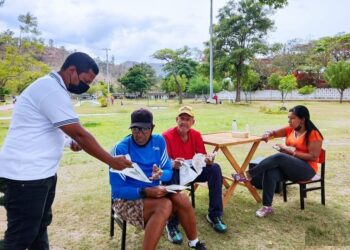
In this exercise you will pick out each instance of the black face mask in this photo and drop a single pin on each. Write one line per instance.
(81, 88)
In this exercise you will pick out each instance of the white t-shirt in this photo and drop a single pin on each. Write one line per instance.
(34, 143)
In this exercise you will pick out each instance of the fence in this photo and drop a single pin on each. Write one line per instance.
(319, 94)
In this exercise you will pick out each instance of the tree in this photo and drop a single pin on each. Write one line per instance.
(338, 76)
(18, 68)
(200, 85)
(169, 85)
(239, 35)
(285, 84)
(2, 2)
(178, 63)
(276, 4)
(337, 48)
(249, 80)
(139, 78)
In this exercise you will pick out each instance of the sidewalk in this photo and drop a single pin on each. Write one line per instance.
(6, 107)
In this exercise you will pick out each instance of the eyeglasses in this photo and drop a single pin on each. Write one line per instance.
(137, 130)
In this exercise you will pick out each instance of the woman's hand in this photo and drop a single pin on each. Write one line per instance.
(286, 149)
(267, 135)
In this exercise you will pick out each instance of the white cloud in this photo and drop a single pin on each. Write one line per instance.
(135, 29)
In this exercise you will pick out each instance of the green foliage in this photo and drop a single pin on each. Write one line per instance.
(284, 84)
(169, 85)
(139, 78)
(239, 36)
(19, 60)
(274, 80)
(103, 101)
(306, 90)
(338, 76)
(177, 63)
(272, 110)
(101, 88)
(200, 85)
(276, 4)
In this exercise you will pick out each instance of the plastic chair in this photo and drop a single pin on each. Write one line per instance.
(303, 184)
(122, 225)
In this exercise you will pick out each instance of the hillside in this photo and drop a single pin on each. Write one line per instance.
(55, 57)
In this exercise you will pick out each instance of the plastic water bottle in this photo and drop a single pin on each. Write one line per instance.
(234, 126)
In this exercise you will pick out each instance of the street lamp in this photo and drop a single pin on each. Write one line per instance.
(211, 52)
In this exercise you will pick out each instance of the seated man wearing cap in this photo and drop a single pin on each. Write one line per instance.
(183, 143)
(147, 204)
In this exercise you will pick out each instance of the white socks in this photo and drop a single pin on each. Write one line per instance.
(192, 243)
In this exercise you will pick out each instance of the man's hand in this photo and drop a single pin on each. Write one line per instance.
(177, 163)
(156, 173)
(209, 158)
(119, 162)
(156, 192)
(74, 146)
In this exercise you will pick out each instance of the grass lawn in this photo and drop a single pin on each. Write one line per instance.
(82, 205)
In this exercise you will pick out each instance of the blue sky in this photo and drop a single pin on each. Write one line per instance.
(135, 29)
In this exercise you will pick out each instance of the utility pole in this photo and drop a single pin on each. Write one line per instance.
(211, 52)
(107, 77)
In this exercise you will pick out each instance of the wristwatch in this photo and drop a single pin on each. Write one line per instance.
(142, 193)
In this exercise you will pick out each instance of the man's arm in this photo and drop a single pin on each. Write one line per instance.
(92, 147)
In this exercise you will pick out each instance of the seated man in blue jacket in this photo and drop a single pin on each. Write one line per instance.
(148, 205)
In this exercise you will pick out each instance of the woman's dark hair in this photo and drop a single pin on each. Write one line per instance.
(303, 113)
(83, 63)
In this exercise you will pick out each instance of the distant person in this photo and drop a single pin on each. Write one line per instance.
(297, 160)
(149, 205)
(33, 147)
(216, 98)
(183, 142)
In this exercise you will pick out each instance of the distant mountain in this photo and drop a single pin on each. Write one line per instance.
(55, 57)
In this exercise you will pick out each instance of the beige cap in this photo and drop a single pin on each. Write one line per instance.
(186, 110)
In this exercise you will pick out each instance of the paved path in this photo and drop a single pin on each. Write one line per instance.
(6, 107)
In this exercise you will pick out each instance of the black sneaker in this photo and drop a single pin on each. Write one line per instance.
(174, 234)
(199, 246)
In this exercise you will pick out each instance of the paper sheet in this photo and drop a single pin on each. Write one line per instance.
(135, 172)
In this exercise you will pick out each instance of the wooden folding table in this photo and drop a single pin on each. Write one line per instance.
(223, 141)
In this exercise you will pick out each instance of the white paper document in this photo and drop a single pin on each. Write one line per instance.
(174, 188)
(135, 172)
(190, 169)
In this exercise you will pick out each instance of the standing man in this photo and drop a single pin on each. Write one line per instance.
(183, 143)
(34, 146)
(149, 205)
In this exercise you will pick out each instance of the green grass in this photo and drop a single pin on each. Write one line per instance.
(81, 208)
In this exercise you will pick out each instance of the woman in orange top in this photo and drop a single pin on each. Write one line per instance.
(297, 160)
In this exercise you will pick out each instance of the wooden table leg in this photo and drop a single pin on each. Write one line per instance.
(239, 169)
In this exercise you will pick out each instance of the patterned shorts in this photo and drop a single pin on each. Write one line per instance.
(130, 211)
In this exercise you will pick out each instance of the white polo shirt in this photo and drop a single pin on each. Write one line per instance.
(34, 143)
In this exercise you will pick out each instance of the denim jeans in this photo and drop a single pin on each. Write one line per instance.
(28, 206)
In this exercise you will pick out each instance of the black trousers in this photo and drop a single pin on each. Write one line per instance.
(279, 167)
(28, 206)
(211, 174)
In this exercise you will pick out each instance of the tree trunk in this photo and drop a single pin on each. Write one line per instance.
(341, 95)
(238, 90)
(178, 89)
